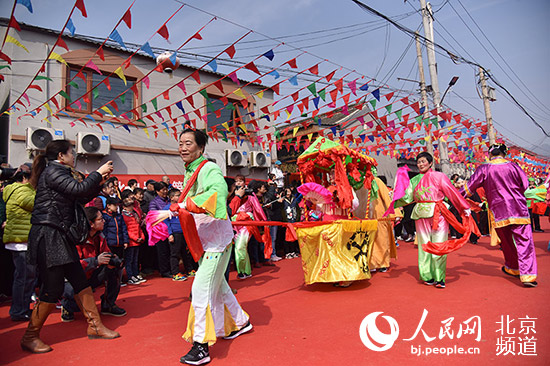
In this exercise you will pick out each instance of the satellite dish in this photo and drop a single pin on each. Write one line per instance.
(236, 158)
(90, 143)
(40, 138)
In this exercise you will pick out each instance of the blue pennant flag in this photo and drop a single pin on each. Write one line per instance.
(333, 129)
(33, 113)
(371, 138)
(421, 110)
(441, 123)
(126, 127)
(117, 38)
(275, 74)
(316, 102)
(90, 117)
(213, 65)
(364, 87)
(70, 27)
(26, 3)
(342, 133)
(65, 113)
(293, 80)
(362, 137)
(266, 117)
(269, 54)
(110, 123)
(174, 58)
(319, 121)
(165, 125)
(376, 94)
(180, 106)
(147, 49)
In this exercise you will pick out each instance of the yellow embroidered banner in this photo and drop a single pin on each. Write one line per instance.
(335, 252)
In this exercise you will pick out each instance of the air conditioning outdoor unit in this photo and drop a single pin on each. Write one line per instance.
(89, 143)
(236, 157)
(38, 137)
(260, 159)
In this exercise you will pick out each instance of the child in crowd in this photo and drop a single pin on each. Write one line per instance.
(115, 230)
(136, 237)
(178, 246)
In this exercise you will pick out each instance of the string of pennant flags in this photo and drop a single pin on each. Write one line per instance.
(336, 95)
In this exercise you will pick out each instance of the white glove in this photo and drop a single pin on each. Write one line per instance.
(467, 212)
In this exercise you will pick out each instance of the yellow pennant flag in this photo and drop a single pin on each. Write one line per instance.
(15, 42)
(287, 114)
(47, 120)
(55, 56)
(260, 94)
(309, 137)
(120, 74)
(239, 93)
(243, 127)
(48, 108)
(294, 131)
(427, 138)
(146, 132)
(226, 126)
(166, 132)
(107, 110)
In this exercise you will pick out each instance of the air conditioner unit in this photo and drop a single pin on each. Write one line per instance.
(89, 143)
(260, 159)
(38, 137)
(236, 157)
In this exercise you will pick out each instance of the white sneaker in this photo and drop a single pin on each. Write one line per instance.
(141, 279)
(275, 258)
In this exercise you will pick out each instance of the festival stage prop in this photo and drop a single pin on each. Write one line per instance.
(339, 250)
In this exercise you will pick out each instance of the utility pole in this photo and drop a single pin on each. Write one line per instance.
(432, 65)
(487, 106)
(423, 91)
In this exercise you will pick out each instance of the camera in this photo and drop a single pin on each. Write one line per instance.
(248, 191)
(7, 173)
(115, 261)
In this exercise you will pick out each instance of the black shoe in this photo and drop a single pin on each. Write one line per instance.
(429, 282)
(440, 284)
(538, 231)
(234, 334)
(66, 316)
(383, 269)
(22, 318)
(198, 354)
(113, 310)
(530, 284)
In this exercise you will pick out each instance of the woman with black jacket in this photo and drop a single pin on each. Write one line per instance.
(59, 188)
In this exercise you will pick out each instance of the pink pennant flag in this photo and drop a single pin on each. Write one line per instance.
(145, 81)
(352, 85)
(94, 67)
(233, 76)
(181, 85)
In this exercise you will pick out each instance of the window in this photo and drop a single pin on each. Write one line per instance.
(233, 114)
(91, 100)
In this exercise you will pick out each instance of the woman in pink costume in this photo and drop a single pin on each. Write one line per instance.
(505, 183)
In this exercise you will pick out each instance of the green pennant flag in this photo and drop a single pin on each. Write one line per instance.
(418, 120)
(154, 101)
(434, 121)
(313, 89)
(373, 103)
(210, 106)
(426, 121)
(123, 98)
(289, 141)
(140, 120)
(399, 113)
(73, 84)
(224, 136)
(322, 94)
(95, 93)
(348, 160)
(42, 78)
(422, 142)
(9, 67)
(144, 108)
(388, 108)
(230, 106)
(304, 115)
(65, 95)
(204, 94)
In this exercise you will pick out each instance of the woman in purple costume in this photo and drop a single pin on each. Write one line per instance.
(505, 183)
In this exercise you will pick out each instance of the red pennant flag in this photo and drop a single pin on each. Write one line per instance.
(163, 31)
(230, 51)
(275, 88)
(107, 83)
(35, 87)
(250, 66)
(5, 57)
(218, 84)
(265, 110)
(134, 89)
(61, 43)
(114, 105)
(80, 5)
(416, 107)
(405, 100)
(389, 96)
(295, 96)
(314, 69)
(405, 118)
(13, 24)
(166, 94)
(127, 62)
(292, 63)
(81, 75)
(301, 108)
(339, 84)
(457, 118)
(224, 101)
(434, 111)
(197, 36)
(100, 53)
(196, 76)
(334, 94)
(86, 98)
(55, 102)
(127, 18)
(244, 102)
(189, 100)
(346, 98)
(329, 76)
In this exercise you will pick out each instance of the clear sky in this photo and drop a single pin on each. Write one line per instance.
(339, 31)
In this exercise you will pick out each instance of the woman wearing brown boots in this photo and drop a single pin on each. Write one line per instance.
(60, 188)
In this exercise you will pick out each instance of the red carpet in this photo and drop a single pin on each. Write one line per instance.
(319, 324)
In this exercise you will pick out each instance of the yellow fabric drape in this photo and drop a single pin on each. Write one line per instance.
(339, 251)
